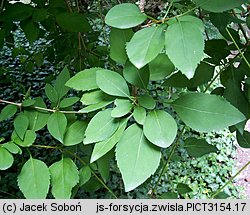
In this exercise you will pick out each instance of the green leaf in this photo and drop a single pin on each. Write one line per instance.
(160, 67)
(147, 101)
(137, 77)
(169, 195)
(7, 112)
(133, 152)
(103, 147)
(232, 79)
(51, 93)
(64, 176)
(100, 127)
(94, 97)
(217, 50)
(37, 118)
(243, 139)
(73, 22)
(40, 14)
(203, 74)
(123, 107)
(95, 107)
(21, 124)
(139, 115)
(16, 12)
(145, 45)
(177, 80)
(220, 20)
(12, 148)
(183, 188)
(29, 138)
(118, 40)
(184, 44)
(124, 16)
(60, 82)
(68, 102)
(160, 128)
(6, 159)
(112, 83)
(84, 175)
(34, 179)
(204, 112)
(39, 59)
(84, 80)
(104, 166)
(75, 133)
(57, 124)
(219, 6)
(221, 195)
(28, 102)
(198, 147)
(31, 30)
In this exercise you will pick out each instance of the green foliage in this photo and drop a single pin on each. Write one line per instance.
(75, 133)
(159, 65)
(112, 83)
(132, 153)
(34, 179)
(185, 44)
(215, 6)
(28, 140)
(139, 115)
(118, 40)
(137, 77)
(160, 128)
(21, 124)
(6, 159)
(7, 112)
(73, 22)
(101, 127)
(146, 101)
(125, 16)
(64, 176)
(57, 123)
(123, 107)
(205, 113)
(103, 147)
(145, 45)
(183, 188)
(198, 147)
(84, 80)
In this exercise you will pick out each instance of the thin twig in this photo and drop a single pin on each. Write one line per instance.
(96, 176)
(41, 108)
(229, 181)
(168, 160)
(244, 58)
(241, 28)
(102, 21)
(169, 7)
(82, 161)
(219, 73)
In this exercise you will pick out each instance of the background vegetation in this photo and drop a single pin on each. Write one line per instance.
(38, 42)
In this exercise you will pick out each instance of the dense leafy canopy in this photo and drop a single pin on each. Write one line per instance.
(129, 79)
